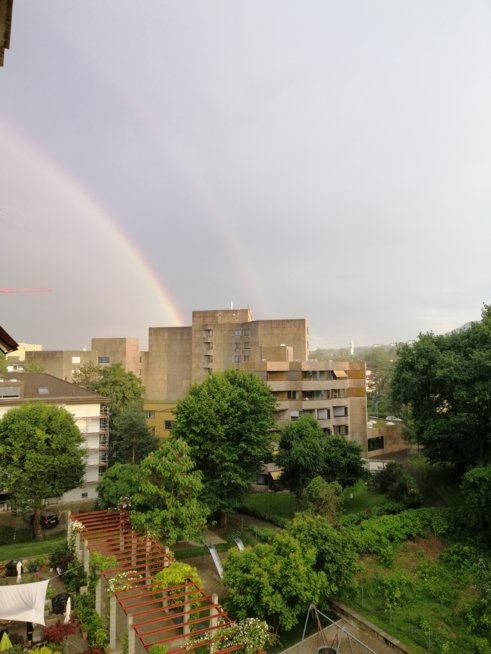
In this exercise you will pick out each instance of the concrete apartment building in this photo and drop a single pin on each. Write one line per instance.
(276, 350)
(333, 393)
(104, 352)
(84, 405)
(216, 340)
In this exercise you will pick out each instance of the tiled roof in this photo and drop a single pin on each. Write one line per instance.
(57, 388)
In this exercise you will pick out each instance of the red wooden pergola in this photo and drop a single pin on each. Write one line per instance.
(151, 614)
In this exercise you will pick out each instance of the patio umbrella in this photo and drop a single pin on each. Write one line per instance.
(5, 643)
(68, 610)
(19, 571)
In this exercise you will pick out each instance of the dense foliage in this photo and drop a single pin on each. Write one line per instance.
(226, 421)
(446, 382)
(131, 439)
(40, 456)
(306, 452)
(301, 453)
(123, 388)
(118, 484)
(324, 498)
(275, 581)
(335, 553)
(397, 484)
(166, 504)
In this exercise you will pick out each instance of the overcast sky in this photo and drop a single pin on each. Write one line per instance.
(328, 160)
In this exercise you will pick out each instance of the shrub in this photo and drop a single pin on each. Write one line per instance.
(398, 484)
(58, 632)
(459, 557)
(265, 534)
(74, 576)
(60, 556)
(267, 517)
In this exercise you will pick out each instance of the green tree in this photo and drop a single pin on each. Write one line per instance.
(35, 366)
(273, 581)
(323, 498)
(226, 421)
(117, 486)
(40, 456)
(123, 388)
(335, 553)
(131, 439)
(301, 453)
(167, 503)
(342, 461)
(445, 382)
(87, 375)
(476, 489)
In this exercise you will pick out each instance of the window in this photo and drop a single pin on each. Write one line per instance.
(103, 359)
(341, 429)
(9, 392)
(247, 332)
(85, 496)
(293, 395)
(140, 372)
(140, 359)
(237, 359)
(237, 332)
(246, 357)
(150, 414)
(337, 393)
(309, 412)
(308, 375)
(168, 424)
(75, 359)
(323, 414)
(247, 345)
(320, 395)
(375, 443)
(208, 332)
(43, 390)
(339, 411)
(238, 346)
(294, 415)
(262, 480)
(293, 375)
(307, 395)
(327, 431)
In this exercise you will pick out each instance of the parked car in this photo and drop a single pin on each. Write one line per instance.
(393, 418)
(48, 520)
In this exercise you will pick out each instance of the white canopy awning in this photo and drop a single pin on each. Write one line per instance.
(23, 602)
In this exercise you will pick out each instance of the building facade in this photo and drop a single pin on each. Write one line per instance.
(333, 393)
(84, 405)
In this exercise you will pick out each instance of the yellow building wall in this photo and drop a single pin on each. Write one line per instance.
(159, 415)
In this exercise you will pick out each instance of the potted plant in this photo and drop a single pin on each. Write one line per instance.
(98, 639)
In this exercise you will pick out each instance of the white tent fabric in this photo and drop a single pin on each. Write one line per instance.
(23, 602)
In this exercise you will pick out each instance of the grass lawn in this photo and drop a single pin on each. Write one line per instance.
(34, 548)
(282, 504)
(246, 538)
(442, 479)
(363, 499)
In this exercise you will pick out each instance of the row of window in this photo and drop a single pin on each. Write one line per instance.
(247, 345)
(328, 394)
(322, 414)
(246, 357)
(301, 375)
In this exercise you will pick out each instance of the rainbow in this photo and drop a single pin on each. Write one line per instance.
(92, 206)
(183, 165)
